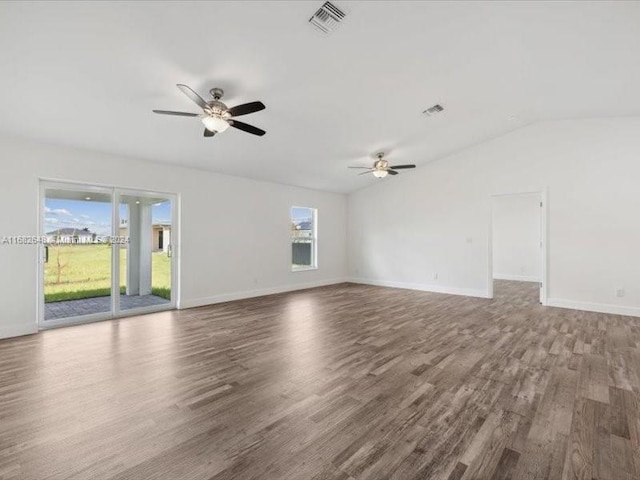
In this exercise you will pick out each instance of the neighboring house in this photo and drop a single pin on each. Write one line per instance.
(302, 230)
(161, 235)
(71, 235)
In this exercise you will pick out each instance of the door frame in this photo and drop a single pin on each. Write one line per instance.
(114, 192)
(542, 194)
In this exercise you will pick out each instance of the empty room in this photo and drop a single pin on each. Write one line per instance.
(309, 240)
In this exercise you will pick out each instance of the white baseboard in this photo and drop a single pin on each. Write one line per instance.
(517, 278)
(594, 307)
(229, 297)
(467, 292)
(17, 330)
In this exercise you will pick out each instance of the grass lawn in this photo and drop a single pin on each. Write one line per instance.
(85, 272)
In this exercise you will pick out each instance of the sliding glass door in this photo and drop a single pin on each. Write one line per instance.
(77, 259)
(105, 252)
(147, 256)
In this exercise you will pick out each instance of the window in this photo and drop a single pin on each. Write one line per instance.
(304, 226)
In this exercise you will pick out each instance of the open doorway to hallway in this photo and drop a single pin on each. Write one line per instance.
(517, 260)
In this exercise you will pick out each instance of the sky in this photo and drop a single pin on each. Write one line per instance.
(96, 216)
(300, 214)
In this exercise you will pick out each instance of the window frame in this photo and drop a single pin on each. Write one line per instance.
(314, 241)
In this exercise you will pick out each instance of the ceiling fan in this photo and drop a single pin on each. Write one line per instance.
(381, 167)
(217, 117)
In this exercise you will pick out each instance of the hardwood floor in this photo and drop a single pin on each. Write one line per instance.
(342, 382)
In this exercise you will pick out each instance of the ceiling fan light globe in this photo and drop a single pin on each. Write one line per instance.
(380, 173)
(215, 123)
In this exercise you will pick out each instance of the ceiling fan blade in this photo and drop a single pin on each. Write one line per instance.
(364, 173)
(366, 168)
(208, 133)
(245, 127)
(399, 167)
(246, 108)
(392, 172)
(179, 114)
(193, 96)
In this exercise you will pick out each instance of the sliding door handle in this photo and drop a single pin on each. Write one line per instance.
(169, 251)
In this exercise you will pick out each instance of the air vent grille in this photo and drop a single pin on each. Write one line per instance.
(433, 110)
(327, 18)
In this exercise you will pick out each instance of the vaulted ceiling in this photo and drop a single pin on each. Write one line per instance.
(88, 74)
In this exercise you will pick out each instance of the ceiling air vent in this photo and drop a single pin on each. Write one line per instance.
(327, 18)
(433, 110)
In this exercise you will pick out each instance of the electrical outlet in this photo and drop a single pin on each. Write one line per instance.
(619, 292)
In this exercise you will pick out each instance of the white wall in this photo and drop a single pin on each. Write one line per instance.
(435, 220)
(517, 252)
(234, 231)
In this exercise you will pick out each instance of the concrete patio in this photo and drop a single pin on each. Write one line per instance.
(87, 306)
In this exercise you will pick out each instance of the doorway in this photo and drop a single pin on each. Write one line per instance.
(100, 256)
(517, 246)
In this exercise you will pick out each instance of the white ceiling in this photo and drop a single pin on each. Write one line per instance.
(88, 75)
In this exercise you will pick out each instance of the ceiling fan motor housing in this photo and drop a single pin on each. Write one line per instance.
(218, 108)
(381, 164)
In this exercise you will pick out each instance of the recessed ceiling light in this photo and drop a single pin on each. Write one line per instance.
(87, 198)
(137, 202)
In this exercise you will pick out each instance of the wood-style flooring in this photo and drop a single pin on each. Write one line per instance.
(341, 382)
